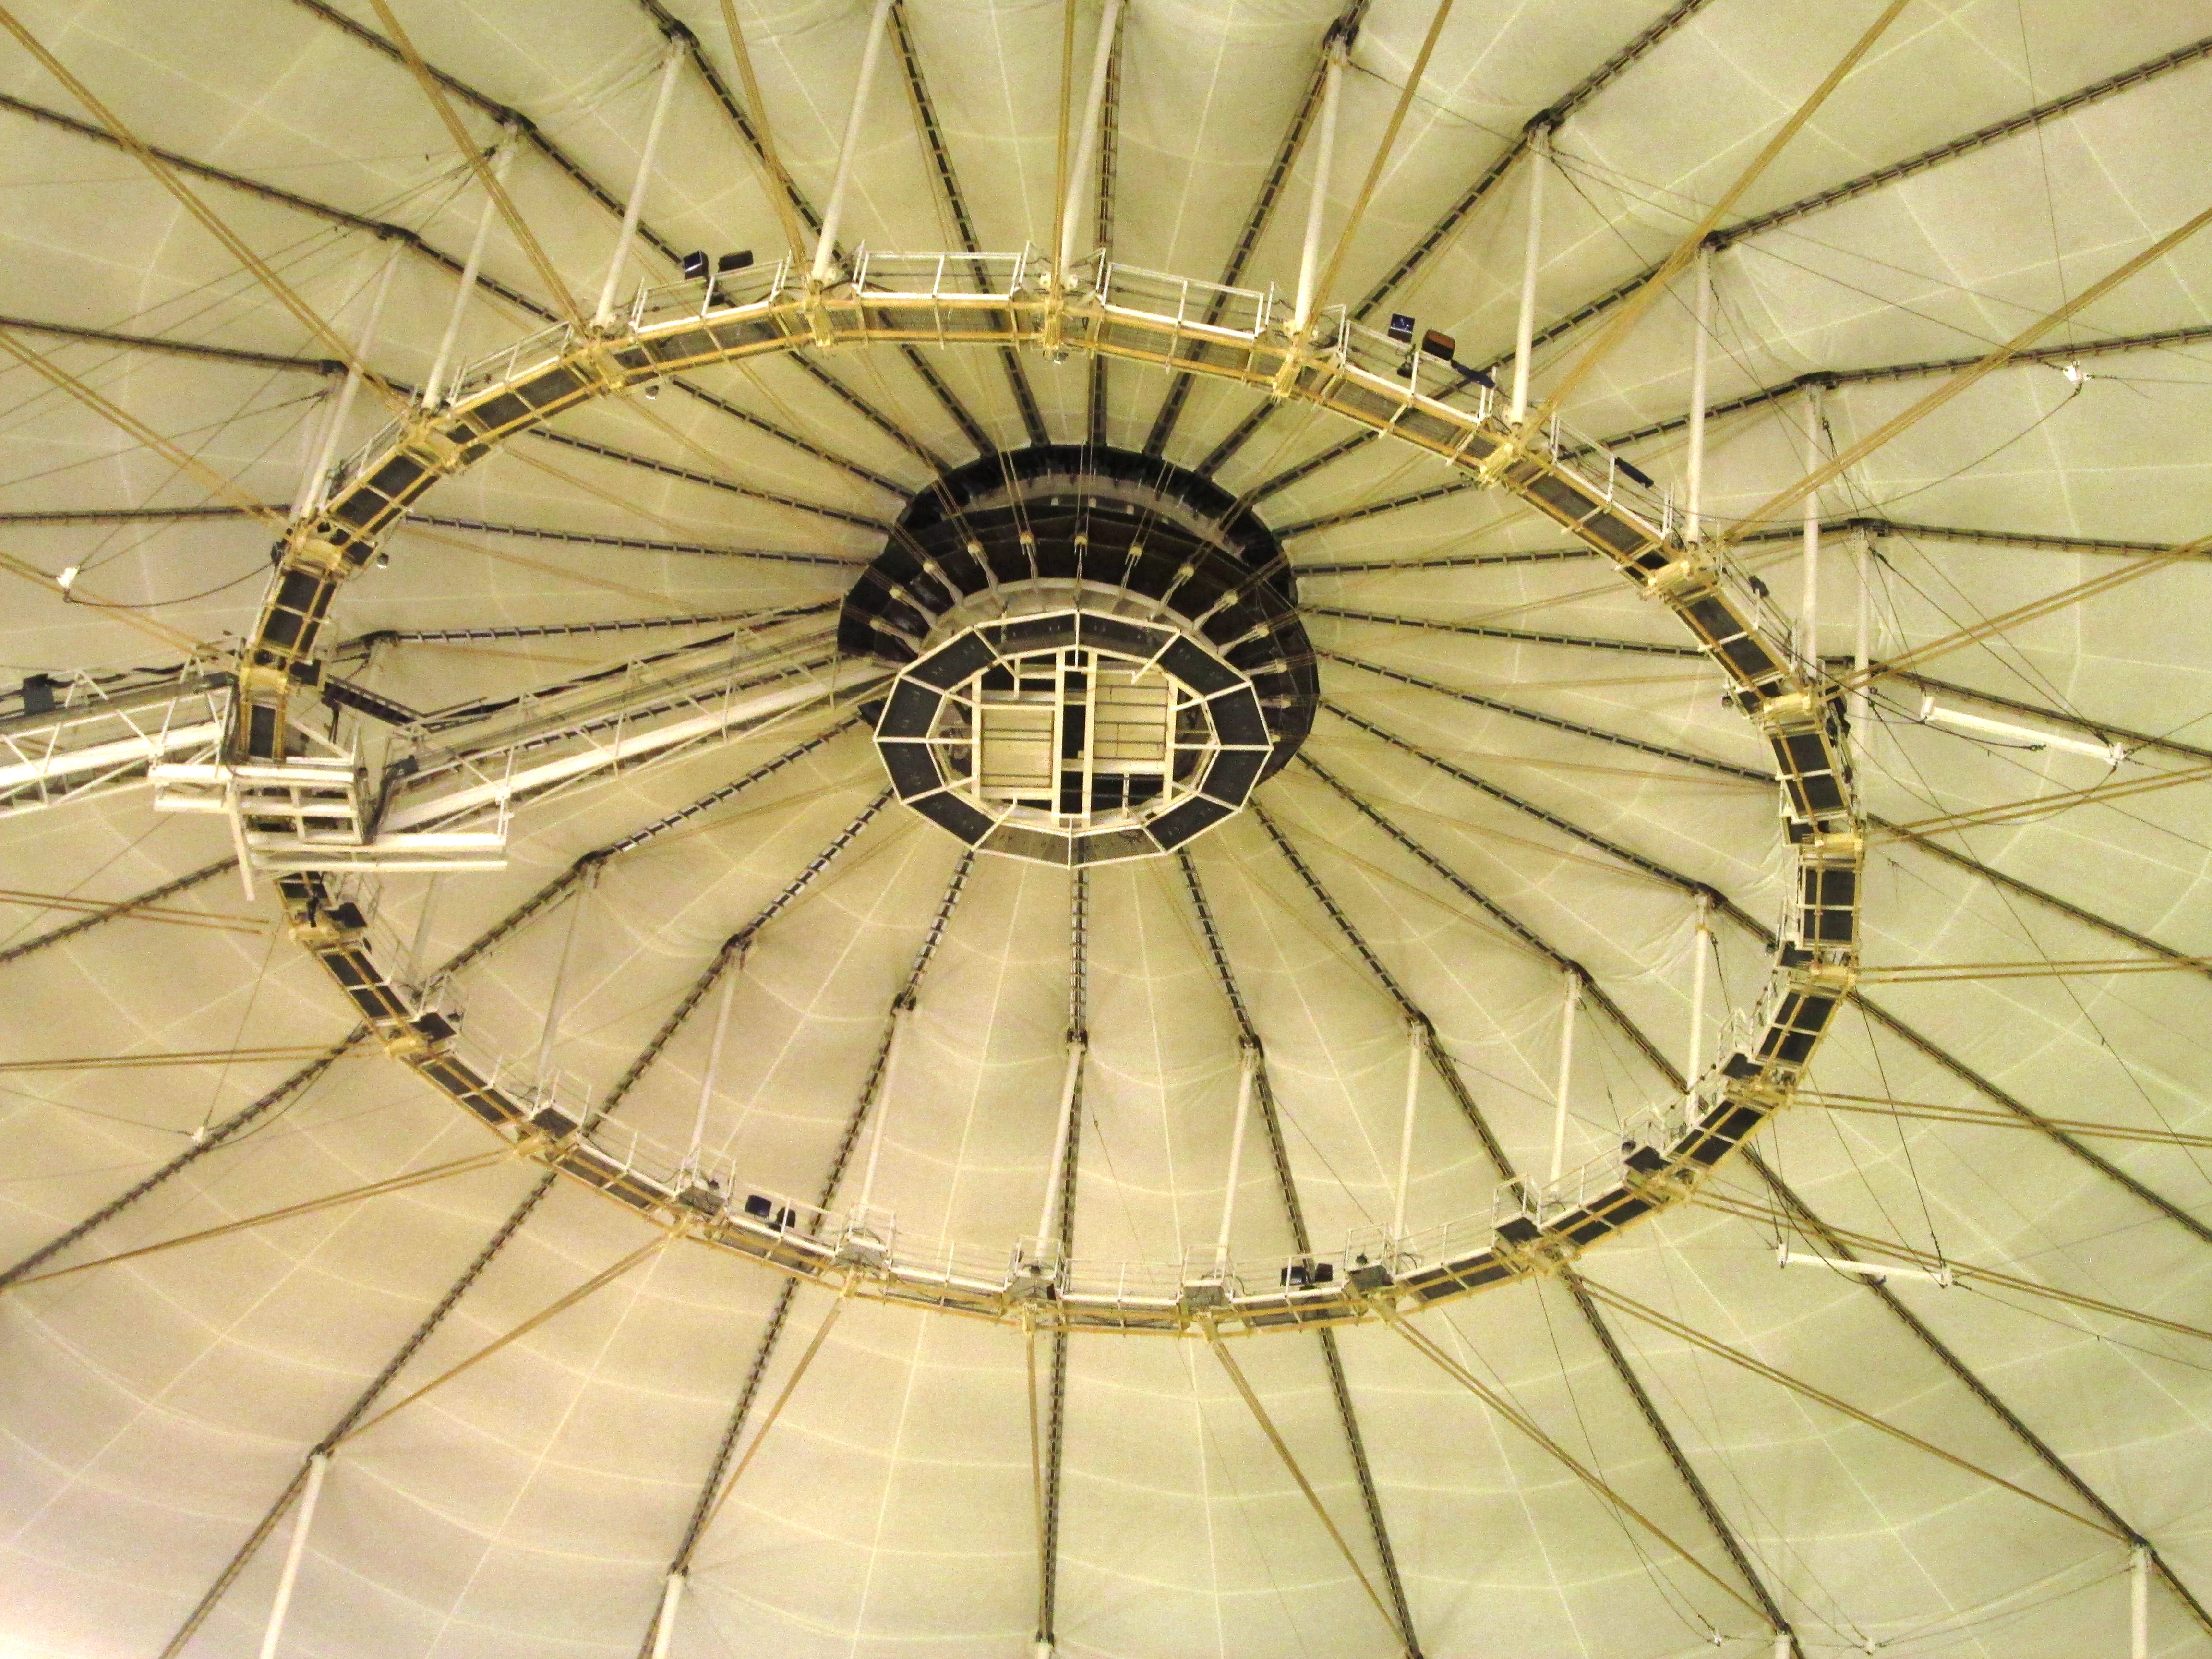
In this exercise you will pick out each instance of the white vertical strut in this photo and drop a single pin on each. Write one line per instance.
(434, 384)
(311, 446)
(1086, 147)
(1701, 331)
(336, 428)
(825, 246)
(1701, 946)
(707, 1078)
(1808, 607)
(1413, 1047)
(603, 318)
(551, 1033)
(1068, 1082)
(2139, 1603)
(1524, 333)
(1862, 701)
(664, 1626)
(1317, 206)
(1781, 1645)
(900, 1016)
(1247, 1067)
(1569, 1003)
(298, 1548)
(418, 951)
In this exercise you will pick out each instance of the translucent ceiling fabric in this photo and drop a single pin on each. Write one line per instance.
(153, 1411)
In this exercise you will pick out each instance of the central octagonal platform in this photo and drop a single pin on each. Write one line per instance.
(1098, 655)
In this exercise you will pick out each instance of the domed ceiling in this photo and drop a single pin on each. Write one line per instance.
(1148, 830)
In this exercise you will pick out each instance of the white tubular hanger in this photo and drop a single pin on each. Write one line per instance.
(1069, 1080)
(825, 246)
(886, 1091)
(318, 479)
(664, 1626)
(1808, 607)
(1877, 1271)
(1087, 149)
(1701, 313)
(603, 318)
(1701, 951)
(1524, 333)
(707, 1078)
(1317, 205)
(1248, 1068)
(1415, 1046)
(273, 1633)
(2139, 1602)
(433, 384)
(1570, 1001)
(556, 998)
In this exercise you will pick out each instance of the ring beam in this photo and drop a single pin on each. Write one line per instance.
(993, 301)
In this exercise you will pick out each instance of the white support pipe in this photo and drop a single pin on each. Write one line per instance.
(311, 446)
(1862, 700)
(1877, 1271)
(1524, 333)
(418, 951)
(1072, 1076)
(1701, 327)
(2139, 1603)
(1413, 1047)
(825, 246)
(1332, 90)
(318, 479)
(551, 1033)
(1934, 714)
(1808, 607)
(901, 1017)
(434, 384)
(1086, 147)
(1569, 1003)
(603, 318)
(298, 1548)
(1781, 1645)
(707, 1078)
(1701, 947)
(663, 1627)
(1247, 1071)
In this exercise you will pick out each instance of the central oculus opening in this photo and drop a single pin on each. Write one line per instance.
(1097, 655)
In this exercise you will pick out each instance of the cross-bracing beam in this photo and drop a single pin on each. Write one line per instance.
(120, 911)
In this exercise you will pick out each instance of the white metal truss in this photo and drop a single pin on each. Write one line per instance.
(93, 733)
(443, 794)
